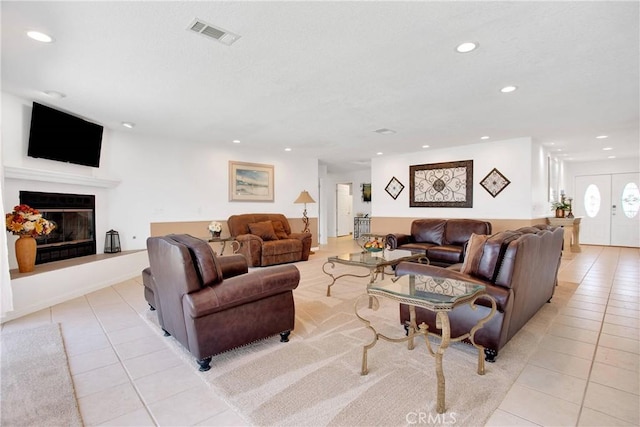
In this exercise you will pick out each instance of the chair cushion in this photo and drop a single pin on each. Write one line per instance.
(278, 227)
(473, 254)
(264, 230)
(428, 230)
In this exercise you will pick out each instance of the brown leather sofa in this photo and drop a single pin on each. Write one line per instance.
(519, 270)
(442, 240)
(209, 313)
(266, 239)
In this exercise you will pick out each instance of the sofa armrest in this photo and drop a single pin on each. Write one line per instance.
(241, 289)
(232, 265)
(499, 293)
(300, 236)
(395, 240)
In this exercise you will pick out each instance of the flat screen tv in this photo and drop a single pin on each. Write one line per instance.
(56, 135)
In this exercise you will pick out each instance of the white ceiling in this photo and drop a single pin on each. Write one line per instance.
(320, 77)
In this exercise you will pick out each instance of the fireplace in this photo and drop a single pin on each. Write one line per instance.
(74, 215)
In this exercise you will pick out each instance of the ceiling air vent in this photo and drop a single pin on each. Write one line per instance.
(212, 32)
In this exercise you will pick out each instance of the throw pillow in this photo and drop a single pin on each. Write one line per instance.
(279, 229)
(264, 230)
(473, 255)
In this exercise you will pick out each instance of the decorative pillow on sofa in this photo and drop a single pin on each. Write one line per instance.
(279, 229)
(474, 253)
(264, 230)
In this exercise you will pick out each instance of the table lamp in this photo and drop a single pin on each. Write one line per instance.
(305, 198)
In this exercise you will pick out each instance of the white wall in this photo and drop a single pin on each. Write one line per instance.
(165, 180)
(602, 167)
(520, 160)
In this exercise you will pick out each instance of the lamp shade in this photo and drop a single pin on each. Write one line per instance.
(304, 197)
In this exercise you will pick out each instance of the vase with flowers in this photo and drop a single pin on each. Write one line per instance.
(27, 223)
(215, 228)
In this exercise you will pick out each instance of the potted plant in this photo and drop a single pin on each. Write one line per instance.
(560, 207)
(215, 228)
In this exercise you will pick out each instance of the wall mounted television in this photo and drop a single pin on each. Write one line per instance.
(56, 135)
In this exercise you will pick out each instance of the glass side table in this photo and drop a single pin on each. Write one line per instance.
(235, 245)
(440, 295)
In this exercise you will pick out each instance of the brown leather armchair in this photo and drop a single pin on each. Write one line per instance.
(209, 313)
(519, 269)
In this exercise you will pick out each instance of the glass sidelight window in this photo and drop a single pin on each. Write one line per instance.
(592, 201)
(630, 200)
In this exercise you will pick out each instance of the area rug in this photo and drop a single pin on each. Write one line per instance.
(315, 379)
(37, 389)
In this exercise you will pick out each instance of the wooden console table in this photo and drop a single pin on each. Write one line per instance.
(571, 232)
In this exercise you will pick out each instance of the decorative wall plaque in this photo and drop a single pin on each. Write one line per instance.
(394, 188)
(441, 185)
(494, 182)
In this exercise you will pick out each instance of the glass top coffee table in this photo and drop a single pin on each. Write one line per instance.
(376, 262)
(437, 294)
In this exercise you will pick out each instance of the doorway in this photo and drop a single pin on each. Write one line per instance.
(344, 209)
(609, 205)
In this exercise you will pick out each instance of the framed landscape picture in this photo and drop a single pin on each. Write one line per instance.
(250, 182)
(441, 185)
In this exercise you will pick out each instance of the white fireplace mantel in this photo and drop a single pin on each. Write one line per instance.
(59, 177)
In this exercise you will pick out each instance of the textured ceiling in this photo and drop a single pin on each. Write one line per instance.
(320, 77)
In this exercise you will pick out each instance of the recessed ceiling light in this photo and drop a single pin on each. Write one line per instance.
(128, 125)
(385, 131)
(484, 137)
(379, 153)
(425, 146)
(54, 94)
(508, 89)
(236, 141)
(287, 149)
(607, 149)
(602, 136)
(611, 157)
(466, 47)
(41, 37)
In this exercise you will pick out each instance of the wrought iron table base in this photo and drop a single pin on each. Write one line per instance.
(442, 323)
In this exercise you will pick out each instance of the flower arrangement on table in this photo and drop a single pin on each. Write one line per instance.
(215, 228)
(26, 221)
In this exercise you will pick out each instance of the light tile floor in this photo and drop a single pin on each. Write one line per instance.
(584, 373)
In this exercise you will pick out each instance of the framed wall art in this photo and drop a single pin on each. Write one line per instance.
(441, 185)
(250, 182)
(366, 192)
(494, 182)
(394, 188)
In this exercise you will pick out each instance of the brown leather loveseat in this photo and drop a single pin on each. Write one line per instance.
(266, 239)
(209, 313)
(442, 240)
(519, 270)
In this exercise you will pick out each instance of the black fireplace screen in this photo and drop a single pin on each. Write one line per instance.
(71, 226)
(74, 215)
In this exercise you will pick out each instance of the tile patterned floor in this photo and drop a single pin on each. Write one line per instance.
(584, 373)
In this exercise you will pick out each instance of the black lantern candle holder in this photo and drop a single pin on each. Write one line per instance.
(112, 242)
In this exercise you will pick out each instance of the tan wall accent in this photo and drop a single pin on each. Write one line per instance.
(385, 225)
(199, 228)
